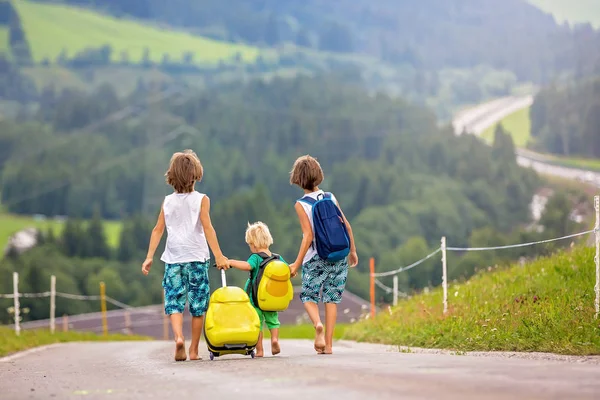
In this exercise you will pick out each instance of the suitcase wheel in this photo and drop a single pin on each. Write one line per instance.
(211, 355)
(252, 354)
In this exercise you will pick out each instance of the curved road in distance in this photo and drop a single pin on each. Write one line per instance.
(145, 370)
(477, 119)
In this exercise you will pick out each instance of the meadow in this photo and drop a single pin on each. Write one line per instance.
(10, 224)
(49, 30)
(518, 124)
(545, 306)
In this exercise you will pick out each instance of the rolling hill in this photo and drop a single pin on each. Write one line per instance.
(51, 29)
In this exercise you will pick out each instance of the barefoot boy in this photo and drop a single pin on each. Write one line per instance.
(318, 275)
(186, 215)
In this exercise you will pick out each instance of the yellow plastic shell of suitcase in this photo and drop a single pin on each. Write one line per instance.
(231, 325)
(275, 291)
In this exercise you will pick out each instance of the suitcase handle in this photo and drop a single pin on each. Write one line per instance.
(223, 277)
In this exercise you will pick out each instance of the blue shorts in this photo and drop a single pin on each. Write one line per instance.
(320, 275)
(189, 279)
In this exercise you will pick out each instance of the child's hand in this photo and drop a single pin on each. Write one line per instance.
(146, 265)
(353, 259)
(222, 262)
(294, 269)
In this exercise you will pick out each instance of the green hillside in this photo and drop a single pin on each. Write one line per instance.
(518, 124)
(10, 224)
(547, 305)
(4, 45)
(52, 28)
(573, 11)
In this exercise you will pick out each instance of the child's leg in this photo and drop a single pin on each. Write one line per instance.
(272, 321)
(330, 320)
(333, 288)
(198, 295)
(197, 325)
(177, 326)
(174, 305)
(260, 352)
(313, 275)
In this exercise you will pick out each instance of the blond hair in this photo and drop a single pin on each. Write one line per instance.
(306, 173)
(258, 235)
(184, 171)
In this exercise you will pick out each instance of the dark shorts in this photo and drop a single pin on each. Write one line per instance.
(319, 276)
(186, 280)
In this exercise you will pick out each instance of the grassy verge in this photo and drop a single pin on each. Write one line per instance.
(546, 306)
(305, 331)
(518, 124)
(10, 224)
(11, 343)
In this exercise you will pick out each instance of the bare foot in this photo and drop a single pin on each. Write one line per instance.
(275, 349)
(259, 353)
(319, 339)
(194, 356)
(180, 350)
(328, 350)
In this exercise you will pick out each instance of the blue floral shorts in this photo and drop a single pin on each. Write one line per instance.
(323, 276)
(186, 280)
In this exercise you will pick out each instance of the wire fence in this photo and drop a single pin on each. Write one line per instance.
(444, 249)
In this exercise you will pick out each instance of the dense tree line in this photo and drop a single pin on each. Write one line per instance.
(433, 34)
(566, 119)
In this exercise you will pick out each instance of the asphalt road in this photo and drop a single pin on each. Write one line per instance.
(477, 119)
(144, 370)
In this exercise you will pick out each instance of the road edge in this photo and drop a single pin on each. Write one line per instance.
(535, 356)
(23, 353)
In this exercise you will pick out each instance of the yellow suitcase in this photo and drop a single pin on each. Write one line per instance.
(231, 325)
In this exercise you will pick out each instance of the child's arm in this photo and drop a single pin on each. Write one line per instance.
(353, 256)
(241, 265)
(157, 233)
(307, 238)
(211, 235)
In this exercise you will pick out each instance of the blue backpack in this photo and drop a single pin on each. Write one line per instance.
(330, 233)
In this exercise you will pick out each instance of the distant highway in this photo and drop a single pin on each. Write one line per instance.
(477, 119)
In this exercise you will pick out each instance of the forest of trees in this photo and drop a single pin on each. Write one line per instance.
(430, 35)
(566, 119)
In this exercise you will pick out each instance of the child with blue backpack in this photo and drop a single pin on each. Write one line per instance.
(326, 251)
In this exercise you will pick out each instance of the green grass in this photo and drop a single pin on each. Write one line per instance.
(10, 224)
(518, 124)
(50, 28)
(4, 40)
(547, 306)
(305, 331)
(575, 162)
(573, 11)
(11, 343)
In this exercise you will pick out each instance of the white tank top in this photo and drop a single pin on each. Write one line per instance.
(308, 210)
(186, 241)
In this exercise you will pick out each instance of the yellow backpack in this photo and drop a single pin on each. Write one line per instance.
(272, 289)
